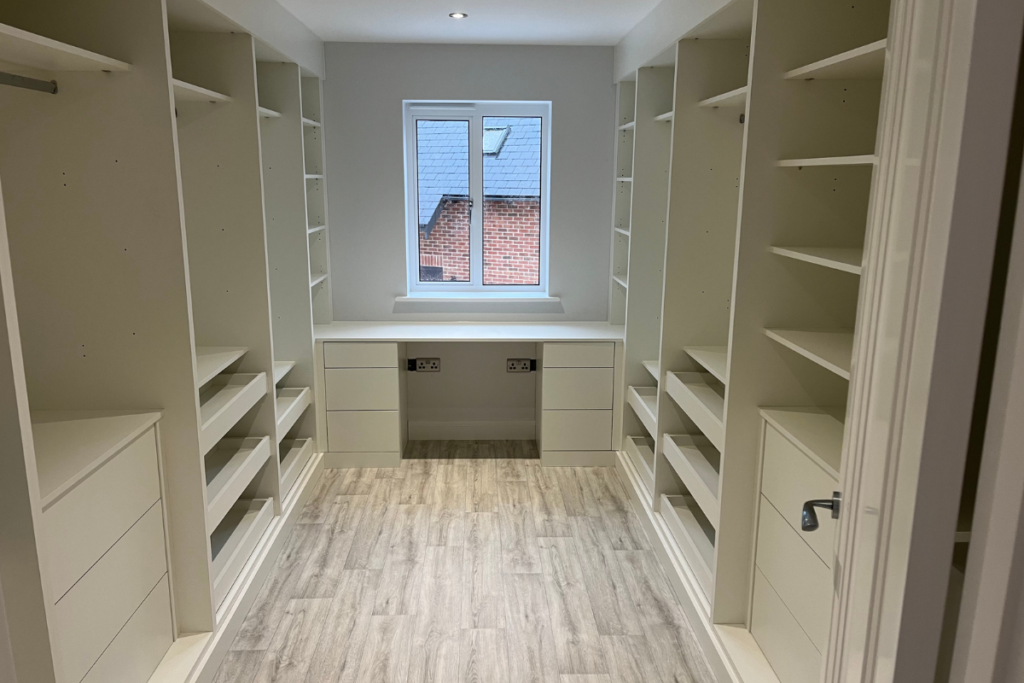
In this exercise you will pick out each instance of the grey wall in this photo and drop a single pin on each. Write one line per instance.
(363, 93)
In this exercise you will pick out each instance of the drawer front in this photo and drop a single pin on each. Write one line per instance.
(360, 431)
(362, 389)
(94, 610)
(360, 355)
(141, 644)
(789, 479)
(579, 355)
(577, 388)
(85, 523)
(783, 642)
(576, 430)
(799, 577)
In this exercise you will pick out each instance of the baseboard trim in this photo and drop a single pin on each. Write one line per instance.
(195, 658)
(492, 430)
(577, 458)
(731, 651)
(344, 461)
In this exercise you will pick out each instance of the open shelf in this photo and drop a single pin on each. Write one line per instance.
(816, 432)
(233, 541)
(269, 113)
(282, 368)
(314, 176)
(224, 401)
(621, 282)
(667, 116)
(295, 453)
(32, 50)
(653, 367)
(644, 401)
(310, 123)
(230, 467)
(640, 450)
(186, 92)
(213, 360)
(865, 62)
(715, 359)
(853, 160)
(290, 404)
(314, 229)
(314, 280)
(831, 350)
(694, 540)
(698, 464)
(624, 233)
(846, 259)
(628, 126)
(624, 179)
(700, 396)
(733, 99)
(72, 445)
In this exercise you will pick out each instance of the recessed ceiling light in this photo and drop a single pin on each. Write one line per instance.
(458, 15)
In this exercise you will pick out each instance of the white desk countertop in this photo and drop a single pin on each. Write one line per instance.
(467, 331)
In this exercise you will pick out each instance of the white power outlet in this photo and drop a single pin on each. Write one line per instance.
(428, 365)
(518, 365)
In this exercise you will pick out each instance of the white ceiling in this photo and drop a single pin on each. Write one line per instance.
(536, 22)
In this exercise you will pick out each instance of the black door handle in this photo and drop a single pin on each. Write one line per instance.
(809, 518)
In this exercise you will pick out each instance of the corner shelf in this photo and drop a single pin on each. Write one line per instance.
(268, 113)
(653, 367)
(853, 160)
(696, 394)
(224, 402)
(693, 541)
(640, 451)
(295, 453)
(831, 350)
(38, 52)
(667, 116)
(715, 360)
(734, 99)
(644, 401)
(816, 432)
(233, 541)
(230, 467)
(213, 360)
(290, 405)
(628, 126)
(317, 279)
(698, 464)
(846, 259)
(282, 368)
(865, 62)
(186, 92)
(620, 282)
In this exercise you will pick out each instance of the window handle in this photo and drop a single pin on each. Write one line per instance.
(809, 517)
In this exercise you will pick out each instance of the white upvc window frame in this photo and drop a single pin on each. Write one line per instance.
(474, 112)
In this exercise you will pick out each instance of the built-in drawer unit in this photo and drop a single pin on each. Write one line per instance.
(577, 388)
(577, 430)
(363, 431)
(362, 389)
(579, 355)
(577, 398)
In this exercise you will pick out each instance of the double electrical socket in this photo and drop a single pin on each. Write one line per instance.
(518, 365)
(428, 365)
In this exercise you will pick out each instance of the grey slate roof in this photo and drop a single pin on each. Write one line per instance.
(443, 156)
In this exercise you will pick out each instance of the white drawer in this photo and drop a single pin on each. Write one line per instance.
(790, 479)
(577, 388)
(576, 430)
(86, 522)
(360, 431)
(360, 355)
(362, 389)
(141, 644)
(96, 608)
(799, 577)
(783, 642)
(579, 355)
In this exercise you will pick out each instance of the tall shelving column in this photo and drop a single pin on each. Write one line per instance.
(622, 197)
(316, 201)
(282, 139)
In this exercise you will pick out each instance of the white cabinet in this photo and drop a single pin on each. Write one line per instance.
(577, 387)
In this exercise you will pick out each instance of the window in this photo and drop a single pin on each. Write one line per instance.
(477, 197)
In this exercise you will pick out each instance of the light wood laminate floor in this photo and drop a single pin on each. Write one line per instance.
(469, 564)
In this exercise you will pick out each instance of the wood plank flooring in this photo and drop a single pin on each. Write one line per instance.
(469, 564)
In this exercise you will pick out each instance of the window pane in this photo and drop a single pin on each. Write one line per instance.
(442, 189)
(511, 215)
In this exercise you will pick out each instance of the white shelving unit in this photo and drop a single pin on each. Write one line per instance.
(213, 360)
(226, 399)
(234, 540)
(734, 99)
(695, 540)
(295, 454)
(230, 468)
(831, 350)
(38, 52)
(865, 62)
(714, 359)
(653, 367)
(187, 92)
(702, 398)
(846, 259)
(698, 463)
(290, 405)
(281, 369)
(644, 401)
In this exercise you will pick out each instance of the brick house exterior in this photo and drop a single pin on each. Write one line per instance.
(511, 242)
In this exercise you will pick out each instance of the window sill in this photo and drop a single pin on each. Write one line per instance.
(472, 303)
(477, 298)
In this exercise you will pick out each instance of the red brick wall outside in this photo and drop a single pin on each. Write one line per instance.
(511, 242)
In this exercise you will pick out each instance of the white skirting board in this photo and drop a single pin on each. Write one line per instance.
(497, 430)
(731, 651)
(195, 658)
